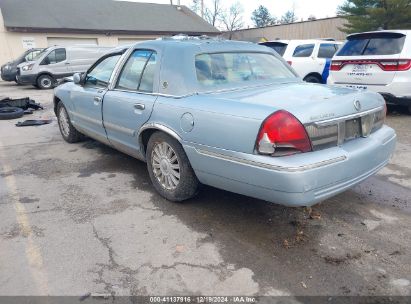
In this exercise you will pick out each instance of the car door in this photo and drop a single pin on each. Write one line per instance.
(128, 106)
(303, 59)
(88, 97)
(56, 63)
(326, 52)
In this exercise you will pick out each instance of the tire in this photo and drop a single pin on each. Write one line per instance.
(45, 82)
(11, 113)
(409, 109)
(312, 79)
(69, 133)
(178, 184)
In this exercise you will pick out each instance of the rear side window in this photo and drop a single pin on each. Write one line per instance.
(327, 50)
(373, 44)
(138, 73)
(304, 50)
(55, 56)
(277, 46)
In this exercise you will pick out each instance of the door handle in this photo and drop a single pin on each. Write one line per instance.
(67, 63)
(139, 106)
(97, 100)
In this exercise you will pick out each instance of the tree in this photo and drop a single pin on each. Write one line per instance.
(289, 17)
(369, 15)
(214, 14)
(233, 19)
(262, 17)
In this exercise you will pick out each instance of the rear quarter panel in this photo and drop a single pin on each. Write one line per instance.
(217, 123)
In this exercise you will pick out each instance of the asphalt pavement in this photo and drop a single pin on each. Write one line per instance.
(83, 218)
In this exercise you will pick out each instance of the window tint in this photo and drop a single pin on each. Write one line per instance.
(232, 69)
(100, 75)
(60, 55)
(279, 47)
(147, 80)
(304, 50)
(131, 74)
(378, 44)
(55, 56)
(327, 50)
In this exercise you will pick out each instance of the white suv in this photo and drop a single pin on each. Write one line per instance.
(377, 61)
(310, 58)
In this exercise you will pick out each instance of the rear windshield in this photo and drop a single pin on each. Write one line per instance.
(374, 44)
(279, 47)
(233, 69)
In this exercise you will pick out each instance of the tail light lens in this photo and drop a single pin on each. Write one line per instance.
(290, 62)
(396, 65)
(282, 134)
(386, 65)
(336, 65)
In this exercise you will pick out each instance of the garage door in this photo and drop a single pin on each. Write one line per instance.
(66, 41)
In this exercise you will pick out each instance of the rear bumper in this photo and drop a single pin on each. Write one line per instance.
(298, 180)
(394, 100)
(397, 92)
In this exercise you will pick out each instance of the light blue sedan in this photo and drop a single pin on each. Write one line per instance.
(232, 115)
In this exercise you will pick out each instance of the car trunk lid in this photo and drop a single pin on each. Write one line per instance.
(331, 115)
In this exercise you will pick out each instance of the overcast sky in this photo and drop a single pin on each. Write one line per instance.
(303, 8)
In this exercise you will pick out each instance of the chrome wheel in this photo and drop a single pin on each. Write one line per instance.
(45, 82)
(166, 167)
(64, 122)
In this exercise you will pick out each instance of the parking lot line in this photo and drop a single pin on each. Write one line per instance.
(33, 254)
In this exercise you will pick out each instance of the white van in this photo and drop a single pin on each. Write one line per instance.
(310, 58)
(376, 61)
(58, 62)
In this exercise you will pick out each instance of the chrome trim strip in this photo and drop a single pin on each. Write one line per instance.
(154, 94)
(347, 117)
(268, 166)
(154, 125)
(86, 118)
(118, 128)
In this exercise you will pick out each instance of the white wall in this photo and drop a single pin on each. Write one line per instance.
(11, 43)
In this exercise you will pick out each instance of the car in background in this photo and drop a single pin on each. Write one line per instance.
(310, 58)
(228, 114)
(58, 62)
(9, 70)
(377, 61)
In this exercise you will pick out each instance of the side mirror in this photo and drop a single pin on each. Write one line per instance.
(78, 78)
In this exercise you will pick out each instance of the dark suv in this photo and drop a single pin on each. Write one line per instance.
(9, 70)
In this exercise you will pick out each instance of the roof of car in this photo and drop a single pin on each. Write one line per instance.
(296, 41)
(106, 16)
(206, 44)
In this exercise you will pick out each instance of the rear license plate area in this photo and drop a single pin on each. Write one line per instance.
(353, 128)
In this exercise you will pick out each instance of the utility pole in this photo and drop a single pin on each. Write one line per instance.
(202, 9)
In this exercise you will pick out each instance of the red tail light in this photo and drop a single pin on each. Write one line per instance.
(395, 65)
(290, 62)
(282, 134)
(386, 64)
(336, 65)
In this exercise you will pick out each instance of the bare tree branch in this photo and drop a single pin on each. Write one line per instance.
(233, 19)
(214, 14)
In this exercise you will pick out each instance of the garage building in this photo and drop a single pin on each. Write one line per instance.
(26, 24)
